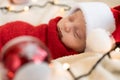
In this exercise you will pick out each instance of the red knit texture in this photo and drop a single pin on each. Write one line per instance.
(116, 33)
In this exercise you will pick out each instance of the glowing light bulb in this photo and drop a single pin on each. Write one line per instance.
(117, 49)
(10, 8)
(26, 8)
(62, 10)
(56, 1)
(66, 66)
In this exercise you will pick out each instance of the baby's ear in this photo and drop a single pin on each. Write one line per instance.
(99, 40)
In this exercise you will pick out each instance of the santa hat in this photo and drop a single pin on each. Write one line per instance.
(100, 24)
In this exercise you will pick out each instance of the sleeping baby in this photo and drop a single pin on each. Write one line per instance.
(89, 26)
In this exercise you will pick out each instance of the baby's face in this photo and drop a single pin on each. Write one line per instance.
(72, 31)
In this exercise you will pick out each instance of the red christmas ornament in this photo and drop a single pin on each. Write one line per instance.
(22, 50)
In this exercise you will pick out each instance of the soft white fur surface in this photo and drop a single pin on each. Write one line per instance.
(99, 40)
(108, 69)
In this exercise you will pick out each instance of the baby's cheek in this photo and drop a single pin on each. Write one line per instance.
(67, 42)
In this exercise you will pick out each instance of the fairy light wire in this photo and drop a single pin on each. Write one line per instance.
(94, 66)
(7, 8)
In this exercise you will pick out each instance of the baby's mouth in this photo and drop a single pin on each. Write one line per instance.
(59, 33)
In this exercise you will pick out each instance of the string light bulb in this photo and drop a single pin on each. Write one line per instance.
(56, 1)
(117, 50)
(66, 66)
(10, 8)
(26, 8)
(53, 2)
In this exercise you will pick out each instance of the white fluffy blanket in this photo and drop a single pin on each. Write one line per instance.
(107, 69)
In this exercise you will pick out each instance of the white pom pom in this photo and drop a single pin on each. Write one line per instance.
(99, 40)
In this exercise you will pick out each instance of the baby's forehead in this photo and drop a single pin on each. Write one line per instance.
(76, 14)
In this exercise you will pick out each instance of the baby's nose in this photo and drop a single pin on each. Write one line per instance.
(68, 27)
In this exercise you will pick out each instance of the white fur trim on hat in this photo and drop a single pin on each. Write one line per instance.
(97, 15)
(99, 40)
